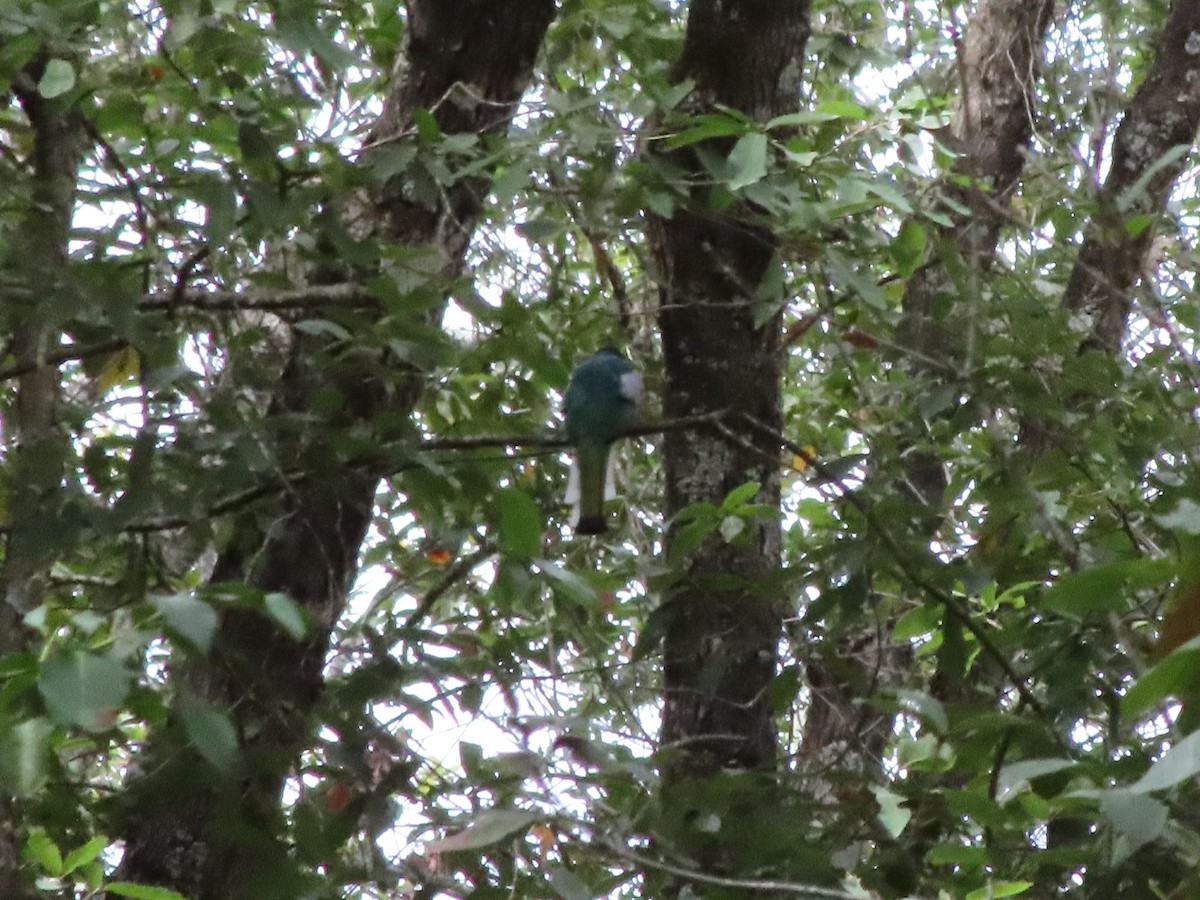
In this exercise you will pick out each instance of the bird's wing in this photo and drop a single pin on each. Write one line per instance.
(631, 387)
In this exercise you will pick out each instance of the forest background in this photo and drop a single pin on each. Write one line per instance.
(902, 593)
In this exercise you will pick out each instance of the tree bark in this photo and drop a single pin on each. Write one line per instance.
(991, 129)
(1163, 116)
(206, 835)
(998, 66)
(722, 351)
(40, 444)
(39, 257)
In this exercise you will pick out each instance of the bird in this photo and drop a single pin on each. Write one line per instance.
(602, 401)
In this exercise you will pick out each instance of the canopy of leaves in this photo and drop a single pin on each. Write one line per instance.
(489, 718)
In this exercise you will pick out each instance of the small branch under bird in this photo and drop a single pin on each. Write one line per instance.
(603, 398)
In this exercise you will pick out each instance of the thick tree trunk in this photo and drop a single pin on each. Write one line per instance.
(722, 351)
(991, 129)
(999, 65)
(39, 258)
(1163, 116)
(39, 445)
(467, 63)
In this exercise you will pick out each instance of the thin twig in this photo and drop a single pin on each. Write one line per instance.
(185, 272)
(457, 572)
(758, 885)
(288, 481)
(139, 209)
(61, 355)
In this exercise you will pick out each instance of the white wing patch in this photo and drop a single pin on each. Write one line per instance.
(631, 387)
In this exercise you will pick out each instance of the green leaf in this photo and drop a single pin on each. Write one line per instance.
(57, 79)
(471, 757)
(908, 249)
(937, 399)
(957, 855)
(927, 707)
(843, 109)
(748, 160)
(319, 327)
(1184, 517)
(211, 732)
(141, 891)
(1100, 590)
(785, 687)
(184, 25)
(740, 496)
(1000, 889)
(568, 885)
(577, 587)
(1177, 670)
(520, 523)
(1139, 223)
(917, 622)
(892, 815)
(489, 827)
(83, 855)
(303, 35)
(40, 849)
(1180, 763)
(1015, 778)
(194, 619)
(427, 125)
(661, 619)
(287, 614)
(221, 200)
(1136, 819)
(804, 117)
(672, 95)
(708, 126)
(23, 755)
(84, 689)
(541, 229)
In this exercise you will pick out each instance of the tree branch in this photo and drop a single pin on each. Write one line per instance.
(899, 556)
(756, 885)
(457, 572)
(1160, 122)
(343, 296)
(61, 355)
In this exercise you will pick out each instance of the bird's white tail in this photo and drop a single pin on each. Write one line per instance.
(572, 496)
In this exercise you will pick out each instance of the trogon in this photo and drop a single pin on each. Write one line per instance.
(602, 403)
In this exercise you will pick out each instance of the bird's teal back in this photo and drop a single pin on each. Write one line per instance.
(602, 399)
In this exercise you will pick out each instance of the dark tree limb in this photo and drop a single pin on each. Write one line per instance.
(999, 63)
(37, 259)
(722, 352)
(467, 63)
(1149, 154)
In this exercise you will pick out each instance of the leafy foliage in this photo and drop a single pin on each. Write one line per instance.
(488, 725)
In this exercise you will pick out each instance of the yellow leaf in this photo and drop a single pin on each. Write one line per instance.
(798, 462)
(119, 368)
(544, 835)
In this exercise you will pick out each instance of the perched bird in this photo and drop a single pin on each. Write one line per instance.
(602, 403)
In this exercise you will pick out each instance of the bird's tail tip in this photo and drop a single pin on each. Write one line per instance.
(591, 525)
